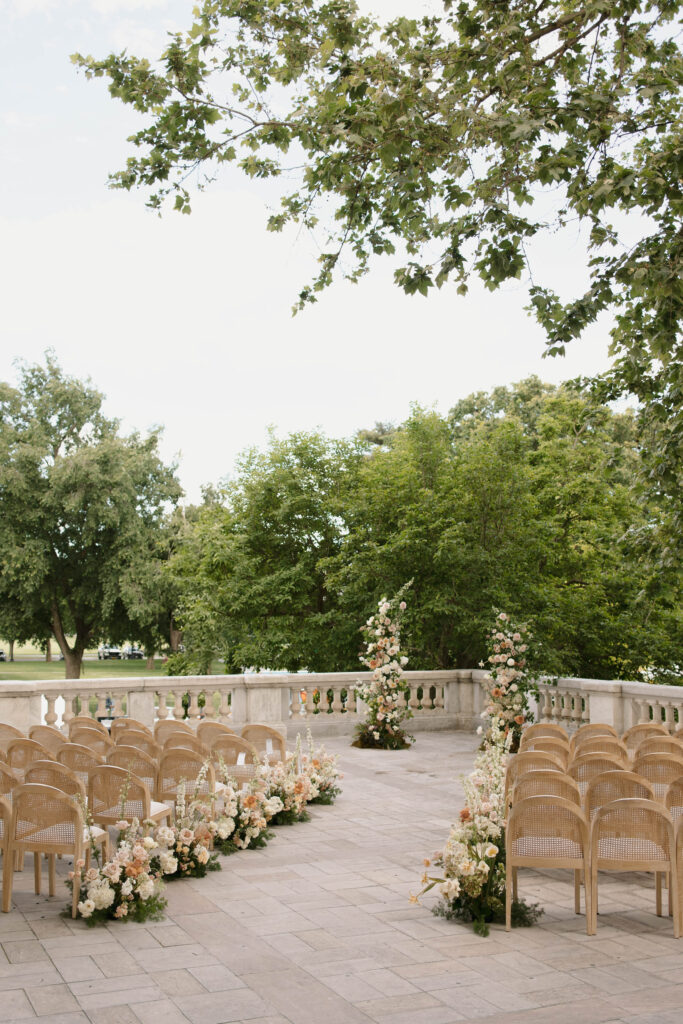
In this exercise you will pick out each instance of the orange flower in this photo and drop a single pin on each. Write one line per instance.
(250, 801)
(495, 692)
(465, 814)
(519, 719)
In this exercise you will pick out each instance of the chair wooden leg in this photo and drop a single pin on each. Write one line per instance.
(658, 892)
(52, 874)
(577, 892)
(76, 890)
(36, 871)
(588, 901)
(514, 883)
(508, 899)
(7, 879)
(593, 900)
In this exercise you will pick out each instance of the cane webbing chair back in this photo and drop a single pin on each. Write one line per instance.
(186, 742)
(5, 821)
(80, 759)
(137, 762)
(589, 731)
(602, 745)
(674, 800)
(269, 742)
(634, 835)
(121, 725)
(20, 753)
(115, 794)
(618, 785)
(86, 722)
(542, 729)
(134, 738)
(660, 770)
(181, 765)
(9, 780)
(545, 783)
(660, 745)
(165, 728)
(207, 732)
(233, 750)
(49, 737)
(587, 766)
(528, 761)
(549, 745)
(93, 740)
(52, 773)
(634, 736)
(546, 832)
(9, 733)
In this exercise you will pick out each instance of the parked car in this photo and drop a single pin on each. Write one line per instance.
(2, 655)
(106, 652)
(132, 651)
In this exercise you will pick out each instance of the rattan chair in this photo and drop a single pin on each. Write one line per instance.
(86, 722)
(549, 729)
(546, 832)
(139, 763)
(617, 785)
(207, 732)
(9, 780)
(602, 745)
(80, 759)
(634, 736)
(20, 753)
(660, 770)
(634, 835)
(121, 725)
(545, 783)
(674, 798)
(529, 761)
(93, 740)
(549, 745)
(181, 765)
(233, 750)
(589, 731)
(142, 741)
(49, 737)
(45, 820)
(7, 734)
(661, 745)
(186, 741)
(270, 743)
(585, 767)
(167, 726)
(57, 775)
(115, 794)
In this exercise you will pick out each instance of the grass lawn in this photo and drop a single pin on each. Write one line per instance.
(28, 670)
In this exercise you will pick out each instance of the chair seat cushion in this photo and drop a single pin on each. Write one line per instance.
(547, 846)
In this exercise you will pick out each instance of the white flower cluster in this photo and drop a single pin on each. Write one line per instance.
(132, 874)
(507, 683)
(386, 695)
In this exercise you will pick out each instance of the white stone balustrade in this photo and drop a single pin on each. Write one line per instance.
(326, 702)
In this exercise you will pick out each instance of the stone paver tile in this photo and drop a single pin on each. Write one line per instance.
(468, 1001)
(77, 968)
(616, 978)
(49, 927)
(32, 973)
(113, 1015)
(162, 1012)
(352, 987)
(177, 983)
(98, 994)
(15, 1005)
(439, 1014)
(223, 1007)
(667, 997)
(388, 983)
(116, 965)
(580, 1012)
(77, 1017)
(172, 935)
(387, 1006)
(49, 999)
(303, 999)
(215, 978)
(25, 951)
(171, 957)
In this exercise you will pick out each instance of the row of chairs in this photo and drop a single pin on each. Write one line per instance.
(576, 803)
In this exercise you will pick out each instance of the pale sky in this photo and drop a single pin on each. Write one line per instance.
(186, 321)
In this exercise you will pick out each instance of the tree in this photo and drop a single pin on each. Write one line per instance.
(250, 572)
(456, 139)
(80, 506)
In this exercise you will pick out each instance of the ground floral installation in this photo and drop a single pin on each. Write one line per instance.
(386, 695)
(472, 879)
(129, 886)
(508, 684)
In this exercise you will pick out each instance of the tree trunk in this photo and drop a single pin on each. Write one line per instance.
(175, 636)
(11, 650)
(48, 650)
(73, 657)
(72, 663)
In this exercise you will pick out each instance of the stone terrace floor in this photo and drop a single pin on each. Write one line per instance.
(317, 929)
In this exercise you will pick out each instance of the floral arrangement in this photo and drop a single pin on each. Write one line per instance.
(507, 684)
(323, 772)
(187, 843)
(127, 887)
(283, 782)
(386, 695)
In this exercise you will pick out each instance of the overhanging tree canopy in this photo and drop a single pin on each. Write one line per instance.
(462, 138)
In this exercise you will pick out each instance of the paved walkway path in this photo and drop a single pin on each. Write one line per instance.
(317, 929)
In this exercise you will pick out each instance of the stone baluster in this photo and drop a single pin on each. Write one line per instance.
(669, 716)
(117, 710)
(178, 709)
(413, 703)
(101, 711)
(51, 715)
(337, 705)
(310, 703)
(224, 711)
(68, 708)
(547, 709)
(162, 710)
(194, 711)
(438, 698)
(209, 706)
